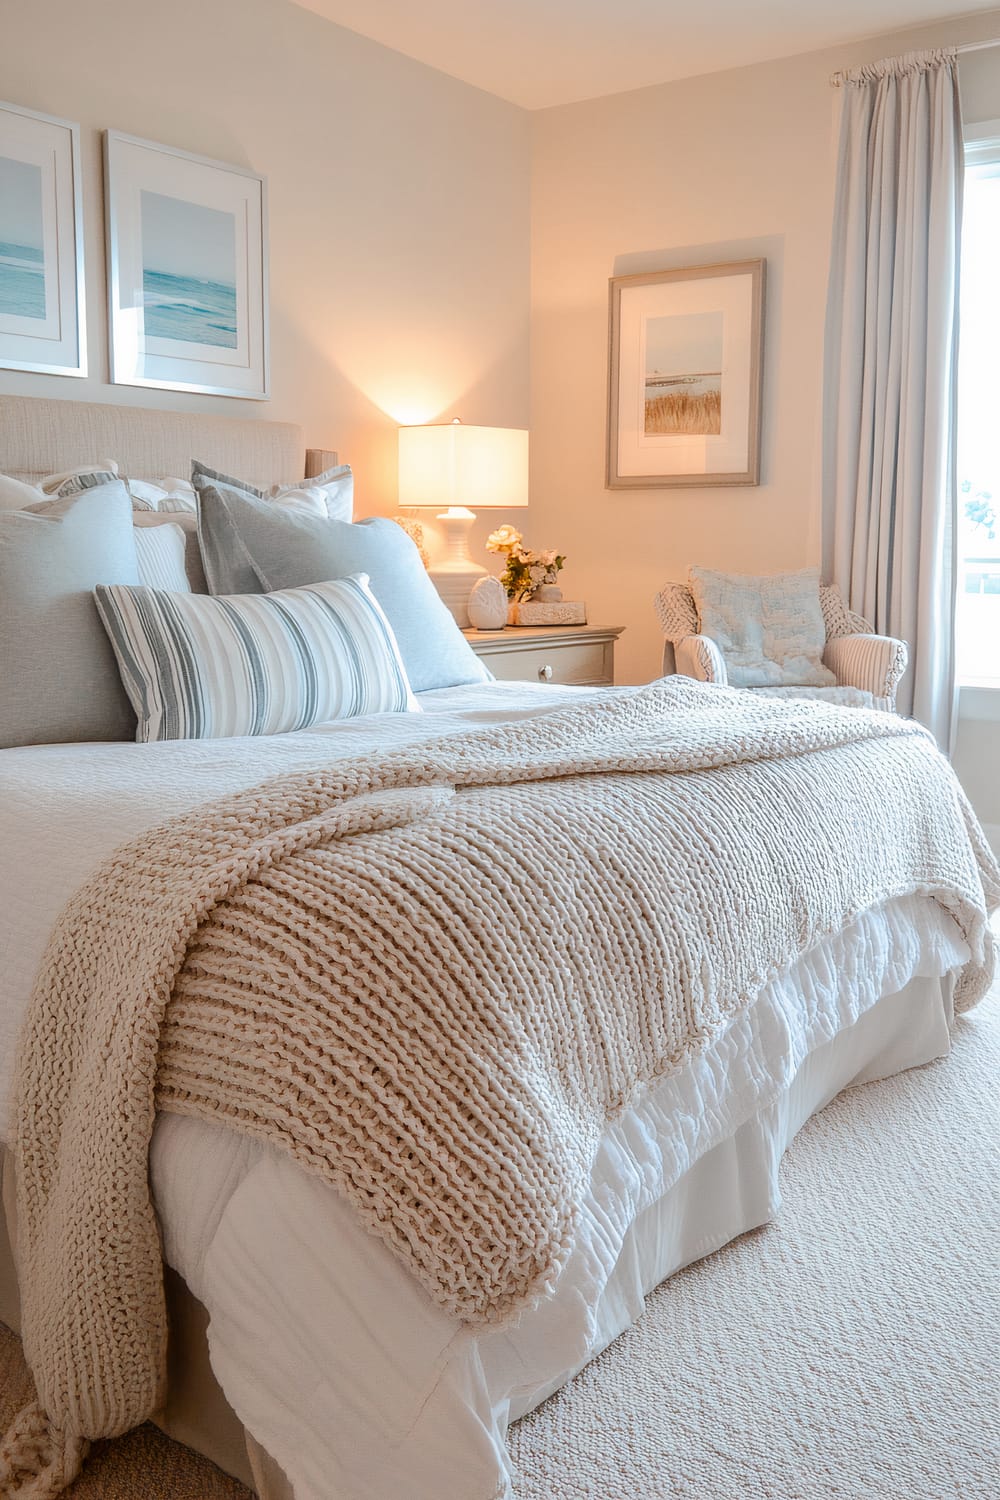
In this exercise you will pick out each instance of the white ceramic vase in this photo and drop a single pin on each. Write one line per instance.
(488, 605)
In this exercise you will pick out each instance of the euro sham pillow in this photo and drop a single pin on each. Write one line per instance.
(197, 667)
(329, 494)
(770, 629)
(59, 680)
(249, 545)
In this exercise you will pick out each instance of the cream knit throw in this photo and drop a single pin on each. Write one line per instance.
(433, 977)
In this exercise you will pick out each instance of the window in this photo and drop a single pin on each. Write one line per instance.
(978, 614)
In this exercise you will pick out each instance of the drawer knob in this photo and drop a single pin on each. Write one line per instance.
(545, 674)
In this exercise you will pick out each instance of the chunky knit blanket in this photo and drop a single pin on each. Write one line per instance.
(432, 978)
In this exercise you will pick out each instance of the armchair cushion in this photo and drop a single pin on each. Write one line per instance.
(770, 629)
(843, 697)
(698, 657)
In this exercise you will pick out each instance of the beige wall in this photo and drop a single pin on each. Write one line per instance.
(400, 245)
(715, 168)
(399, 233)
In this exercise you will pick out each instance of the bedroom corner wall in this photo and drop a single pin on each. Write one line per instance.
(716, 168)
(399, 208)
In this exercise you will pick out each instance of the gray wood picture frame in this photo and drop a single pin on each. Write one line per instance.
(671, 460)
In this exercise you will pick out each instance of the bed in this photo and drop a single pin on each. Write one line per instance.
(305, 1357)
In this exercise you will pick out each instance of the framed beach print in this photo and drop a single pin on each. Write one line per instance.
(187, 271)
(42, 324)
(685, 377)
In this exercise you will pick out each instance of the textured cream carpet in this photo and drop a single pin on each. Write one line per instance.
(849, 1351)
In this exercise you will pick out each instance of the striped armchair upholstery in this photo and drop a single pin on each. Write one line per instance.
(868, 667)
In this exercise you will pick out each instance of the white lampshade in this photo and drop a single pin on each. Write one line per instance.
(459, 467)
(450, 464)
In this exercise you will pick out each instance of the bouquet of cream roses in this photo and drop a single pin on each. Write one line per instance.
(524, 570)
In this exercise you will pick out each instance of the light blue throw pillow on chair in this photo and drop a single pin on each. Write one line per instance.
(251, 546)
(769, 628)
(59, 680)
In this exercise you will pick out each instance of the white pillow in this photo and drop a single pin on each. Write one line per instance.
(330, 494)
(169, 494)
(770, 629)
(188, 525)
(160, 552)
(198, 667)
(16, 495)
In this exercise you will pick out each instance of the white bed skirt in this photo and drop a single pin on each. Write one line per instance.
(357, 1387)
(727, 1191)
(361, 1388)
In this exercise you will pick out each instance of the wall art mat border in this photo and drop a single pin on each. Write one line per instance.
(42, 302)
(187, 270)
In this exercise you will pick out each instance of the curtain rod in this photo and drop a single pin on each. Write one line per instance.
(978, 46)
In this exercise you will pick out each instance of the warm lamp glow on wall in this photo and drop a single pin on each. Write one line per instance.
(465, 469)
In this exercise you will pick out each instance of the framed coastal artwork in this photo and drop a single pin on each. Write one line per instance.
(42, 324)
(187, 271)
(685, 377)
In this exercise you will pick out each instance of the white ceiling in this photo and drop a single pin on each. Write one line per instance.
(543, 52)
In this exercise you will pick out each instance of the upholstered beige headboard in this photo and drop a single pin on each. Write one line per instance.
(39, 437)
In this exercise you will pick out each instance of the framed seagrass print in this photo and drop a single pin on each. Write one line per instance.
(187, 271)
(685, 376)
(42, 323)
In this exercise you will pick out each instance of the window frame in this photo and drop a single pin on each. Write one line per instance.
(979, 698)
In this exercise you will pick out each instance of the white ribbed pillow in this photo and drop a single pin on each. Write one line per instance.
(159, 551)
(201, 667)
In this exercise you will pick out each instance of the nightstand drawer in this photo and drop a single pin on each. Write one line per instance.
(574, 655)
(577, 664)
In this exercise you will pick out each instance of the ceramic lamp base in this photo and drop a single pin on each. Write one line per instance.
(455, 575)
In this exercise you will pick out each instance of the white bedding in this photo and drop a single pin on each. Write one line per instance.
(64, 808)
(343, 1369)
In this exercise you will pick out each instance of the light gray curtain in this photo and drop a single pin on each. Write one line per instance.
(889, 501)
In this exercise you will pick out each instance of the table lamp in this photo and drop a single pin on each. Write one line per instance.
(464, 469)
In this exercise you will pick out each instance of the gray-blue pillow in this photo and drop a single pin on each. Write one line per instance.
(251, 546)
(59, 679)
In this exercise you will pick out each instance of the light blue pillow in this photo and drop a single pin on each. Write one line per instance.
(59, 680)
(251, 546)
(769, 628)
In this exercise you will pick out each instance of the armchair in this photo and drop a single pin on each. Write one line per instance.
(868, 667)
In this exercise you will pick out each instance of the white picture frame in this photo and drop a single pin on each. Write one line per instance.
(685, 375)
(42, 317)
(187, 270)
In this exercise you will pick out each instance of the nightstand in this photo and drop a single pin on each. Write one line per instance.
(576, 655)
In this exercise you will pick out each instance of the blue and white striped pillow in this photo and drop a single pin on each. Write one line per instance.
(197, 667)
